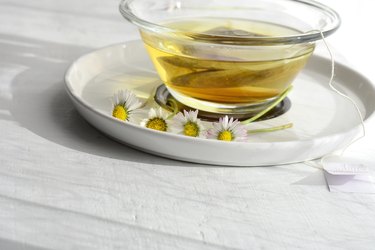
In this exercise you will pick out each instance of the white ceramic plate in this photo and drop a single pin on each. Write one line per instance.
(323, 120)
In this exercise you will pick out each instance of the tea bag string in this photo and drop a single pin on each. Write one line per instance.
(333, 88)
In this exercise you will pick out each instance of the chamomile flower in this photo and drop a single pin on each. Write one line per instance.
(188, 124)
(227, 130)
(157, 120)
(124, 103)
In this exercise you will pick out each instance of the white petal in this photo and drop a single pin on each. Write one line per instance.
(231, 122)
(202, 131)
(217, 126)
(193, 116)
(211, 133)
(180, 118)
(175, 128)
(164, 114)
(225, 123)
(159, 112)
(152, 113)
(186, 113)
(240, 132)
(131, 102)
(144, 122)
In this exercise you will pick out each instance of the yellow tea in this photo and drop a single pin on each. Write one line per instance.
(198, 63)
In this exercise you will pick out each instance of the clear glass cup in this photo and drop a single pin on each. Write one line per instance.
(230, 57)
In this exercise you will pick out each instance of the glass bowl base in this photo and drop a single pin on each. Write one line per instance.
(212, 111)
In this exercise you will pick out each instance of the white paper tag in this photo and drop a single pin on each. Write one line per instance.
(341, 166)
(347, 176)
(360, 183)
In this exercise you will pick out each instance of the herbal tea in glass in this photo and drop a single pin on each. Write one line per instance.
(224, 74)
(231, 57)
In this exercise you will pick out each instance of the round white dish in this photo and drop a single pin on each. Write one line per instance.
(323, 120)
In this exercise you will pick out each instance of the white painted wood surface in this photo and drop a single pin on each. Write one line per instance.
(63, 185)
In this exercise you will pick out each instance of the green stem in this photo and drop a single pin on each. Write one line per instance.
(174, 107)
(271, 106)
(262, 130)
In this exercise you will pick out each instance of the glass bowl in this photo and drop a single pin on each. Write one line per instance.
(229, 57)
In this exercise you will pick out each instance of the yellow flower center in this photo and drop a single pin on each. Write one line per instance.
(157, 124)
(191, 129)
(225, 135)
(120, 112)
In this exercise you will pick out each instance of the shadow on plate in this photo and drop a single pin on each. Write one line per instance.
(40, 103)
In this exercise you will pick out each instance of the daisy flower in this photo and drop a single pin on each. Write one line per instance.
(227, 130)
(124, 103)
(188, 124)
(157, 120)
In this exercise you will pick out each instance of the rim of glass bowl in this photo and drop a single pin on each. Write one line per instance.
(306, 37)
